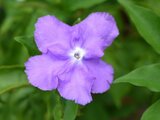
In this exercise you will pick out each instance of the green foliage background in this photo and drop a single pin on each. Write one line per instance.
(134, 55)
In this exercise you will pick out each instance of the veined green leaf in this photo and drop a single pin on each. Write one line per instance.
(146, 22)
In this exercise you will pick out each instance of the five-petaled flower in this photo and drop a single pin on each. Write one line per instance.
(71, 56)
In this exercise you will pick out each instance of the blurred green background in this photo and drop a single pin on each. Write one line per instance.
(131, 50)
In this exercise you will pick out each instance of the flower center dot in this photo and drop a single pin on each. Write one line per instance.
(77, 55)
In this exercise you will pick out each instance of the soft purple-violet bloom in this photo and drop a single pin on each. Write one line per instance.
(71, 56)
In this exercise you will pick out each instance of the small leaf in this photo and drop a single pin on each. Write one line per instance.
(12, 77)
(70, 112)
(152, 113)
(29, 43)
(147, 76)
(77, 21)
(146, 22)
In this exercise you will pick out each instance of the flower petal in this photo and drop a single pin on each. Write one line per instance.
(76, 85)
(103, 74)
(97, 31)
(49, 31)
(41, 71)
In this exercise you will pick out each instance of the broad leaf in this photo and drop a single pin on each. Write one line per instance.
(146, 22)
(152, 113)
(29, 43)
(147, 76)
(70, 112)
(12, 77)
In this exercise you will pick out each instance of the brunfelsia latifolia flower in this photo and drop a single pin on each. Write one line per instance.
(71, 56)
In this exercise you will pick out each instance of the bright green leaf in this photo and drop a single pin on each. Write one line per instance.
(146, 22)
(147, 76)
(152, 113)
(12, 77)
(29, 43)
(70, 110)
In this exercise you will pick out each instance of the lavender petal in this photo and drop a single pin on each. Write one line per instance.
(103, 74)
(50, 32)
(42, 70)
(76, 85)
(97, 32)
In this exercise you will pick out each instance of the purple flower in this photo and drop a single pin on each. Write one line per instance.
(71, 56)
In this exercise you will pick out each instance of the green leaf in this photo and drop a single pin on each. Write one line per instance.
(147, 76)
(146, 22)
(152, 113)
(72, 5)
(12, 77)
(58, 108)
(70, 112)
(29, 43)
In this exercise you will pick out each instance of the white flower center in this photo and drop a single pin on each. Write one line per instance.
(77, 53)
